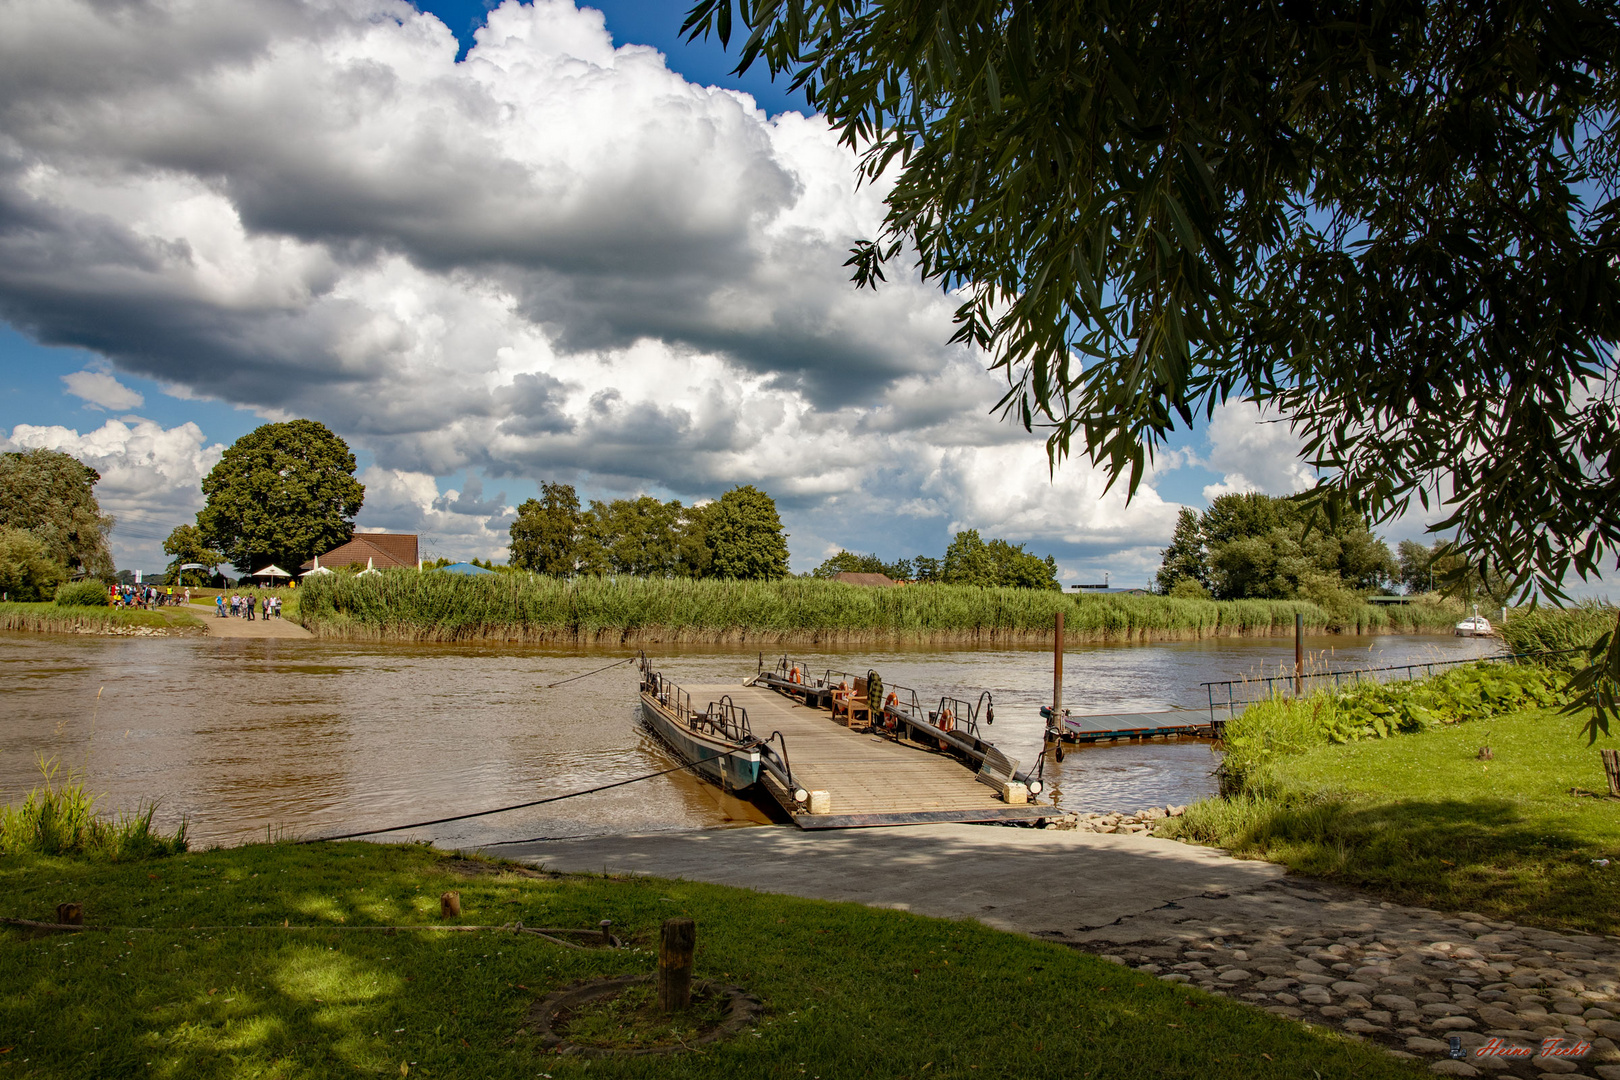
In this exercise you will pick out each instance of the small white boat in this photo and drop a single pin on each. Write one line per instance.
(1476, 626)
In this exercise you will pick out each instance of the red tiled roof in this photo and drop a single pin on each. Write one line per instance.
(383, 549)
(849, 578)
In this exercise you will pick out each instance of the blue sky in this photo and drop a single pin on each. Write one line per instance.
(541, 258)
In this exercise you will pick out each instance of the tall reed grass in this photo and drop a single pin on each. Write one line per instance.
(59, 818)
(1550, 629)
(410, 605)
(50, 618)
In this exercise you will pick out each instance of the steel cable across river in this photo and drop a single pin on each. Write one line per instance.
(246, 738)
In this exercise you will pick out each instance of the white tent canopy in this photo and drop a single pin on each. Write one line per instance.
(270, 571)
(319, 569)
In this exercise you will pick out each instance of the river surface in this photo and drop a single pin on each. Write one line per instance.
(246, 739)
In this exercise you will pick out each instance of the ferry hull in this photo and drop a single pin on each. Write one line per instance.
(716, 761)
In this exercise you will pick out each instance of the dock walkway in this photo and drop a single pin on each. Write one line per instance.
(871, 780)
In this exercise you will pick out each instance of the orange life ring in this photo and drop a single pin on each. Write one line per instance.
(794, 676)
(947, 720)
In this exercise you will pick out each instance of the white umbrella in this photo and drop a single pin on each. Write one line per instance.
(369, 568)
(319, 569)
(272, 570)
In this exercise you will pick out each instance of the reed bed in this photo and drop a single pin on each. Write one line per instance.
(413, 606)
(50, 618)
(59, 817)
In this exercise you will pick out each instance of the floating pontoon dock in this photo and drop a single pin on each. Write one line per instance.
(869, 779)
(1111, 727)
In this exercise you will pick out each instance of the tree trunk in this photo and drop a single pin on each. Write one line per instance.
(1611, 769)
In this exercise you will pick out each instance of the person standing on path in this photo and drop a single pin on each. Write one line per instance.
(219, 606)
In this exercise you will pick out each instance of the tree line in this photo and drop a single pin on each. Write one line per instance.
(968, 560)
(737, 536)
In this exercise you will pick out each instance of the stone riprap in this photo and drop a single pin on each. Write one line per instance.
(1407, 978)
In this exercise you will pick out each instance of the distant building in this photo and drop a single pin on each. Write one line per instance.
(877, 580)
(382, 549)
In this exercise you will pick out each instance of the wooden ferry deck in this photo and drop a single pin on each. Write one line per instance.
(871, 780)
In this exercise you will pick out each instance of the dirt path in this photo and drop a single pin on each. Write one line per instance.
(242, 628)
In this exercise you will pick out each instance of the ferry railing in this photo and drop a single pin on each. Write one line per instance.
(668, 694)
(1263, 689)
(773, 756)
(724, 719)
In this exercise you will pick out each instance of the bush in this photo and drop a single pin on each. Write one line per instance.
(60, 819)
(1283, 727)
(27, 572)
(82, 594)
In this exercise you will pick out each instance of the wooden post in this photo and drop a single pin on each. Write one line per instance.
(676, 944)
(606, 926)
(70, 914)
(1057, 675)
(450, 905)
(1611, 769)
(1299, 654)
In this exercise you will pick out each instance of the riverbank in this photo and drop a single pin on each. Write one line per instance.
(1422, 819)
(291, 972)
(49, 618)
(404, 605)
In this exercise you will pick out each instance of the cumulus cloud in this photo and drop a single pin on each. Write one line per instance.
(554, 259)
(151, 476)
(1254, 450)
(102, 390)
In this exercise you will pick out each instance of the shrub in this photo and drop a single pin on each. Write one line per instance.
(82, 594)
(27, 572)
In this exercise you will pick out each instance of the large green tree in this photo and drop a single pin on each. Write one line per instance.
(744, 536)
(1185, 559)
(280, 494)
(52, 495)
(972, 560)
(545, 534)
(639, 536)
(1394, 222)
(185, 545)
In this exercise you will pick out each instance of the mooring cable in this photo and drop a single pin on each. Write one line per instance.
(588, 674)
(516, 806)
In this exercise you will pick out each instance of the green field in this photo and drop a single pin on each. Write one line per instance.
(270, 961)
(1419, 817)
(408, 605)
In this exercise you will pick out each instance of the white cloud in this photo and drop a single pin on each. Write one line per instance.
(102, 390)
(1254, 450)
(556, 259)
(151, 477)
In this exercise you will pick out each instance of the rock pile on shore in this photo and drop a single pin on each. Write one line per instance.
(1140, 822)
(1409, 979)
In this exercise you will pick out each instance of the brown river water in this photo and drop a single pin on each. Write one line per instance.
(252, 738)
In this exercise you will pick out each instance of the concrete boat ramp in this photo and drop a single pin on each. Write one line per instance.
(1058, 885)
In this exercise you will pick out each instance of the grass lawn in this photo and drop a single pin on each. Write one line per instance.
(849, 991)
(1420, 819)
(48, 616)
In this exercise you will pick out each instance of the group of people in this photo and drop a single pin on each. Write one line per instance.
(146, 596)
(239, 606)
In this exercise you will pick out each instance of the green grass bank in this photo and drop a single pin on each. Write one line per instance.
(133, 622)
(1384, 788)
(329, 960)
(411, 606)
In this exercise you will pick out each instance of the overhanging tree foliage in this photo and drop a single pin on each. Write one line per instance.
(1393, 221)
(280, 494)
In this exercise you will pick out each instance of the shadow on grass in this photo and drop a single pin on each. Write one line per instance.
(849, 990)
(1483, 854)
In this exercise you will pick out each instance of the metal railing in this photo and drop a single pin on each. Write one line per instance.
(1265, 688)
(724, 719)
